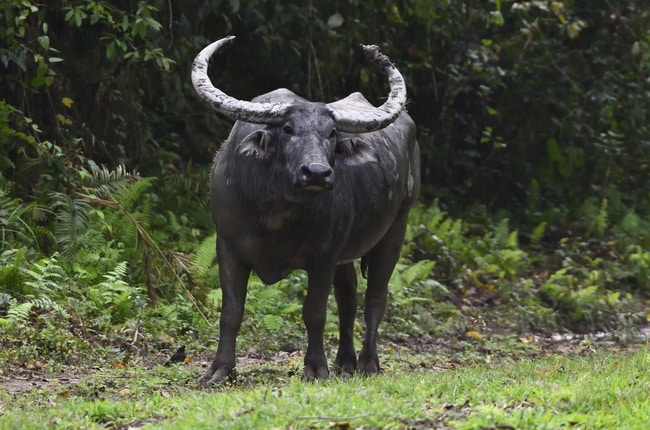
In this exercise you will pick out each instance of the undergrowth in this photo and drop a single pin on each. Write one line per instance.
(101, 258)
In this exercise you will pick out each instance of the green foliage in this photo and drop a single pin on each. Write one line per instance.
(274, 313)
(493, 256)
(86, 284)
(639, 259)
(532, 120)
(562, 292)
(501, 254)
(486, 262)
(532, 108)
(125, 31)
(25, 34)
(413, 291)
(114, 295)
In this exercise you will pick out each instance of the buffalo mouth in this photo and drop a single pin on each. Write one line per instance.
(314, 188)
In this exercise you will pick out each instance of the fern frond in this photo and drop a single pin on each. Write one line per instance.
(132, 194)
(113, 283)
(45, 276)
(602, 220)
(112, 290)
(173, 222)
(501, 233)
(272, 322)
(46, 304)
(19, 314)
(204, 256)
(145, 213)
(118, 272)
(71, 217)
(104, 182)
(418, 271)
(14, 221)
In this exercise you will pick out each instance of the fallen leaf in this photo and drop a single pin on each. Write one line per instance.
(489, 287)
(124, 391)
(164, 394)
(474, 335)
(34, 365)
(527, 339)
(67, 101)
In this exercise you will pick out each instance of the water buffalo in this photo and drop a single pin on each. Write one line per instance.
(313, 186)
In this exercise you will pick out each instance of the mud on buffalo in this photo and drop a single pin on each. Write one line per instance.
(312, 186)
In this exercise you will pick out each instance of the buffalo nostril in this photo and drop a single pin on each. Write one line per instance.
(305, 173)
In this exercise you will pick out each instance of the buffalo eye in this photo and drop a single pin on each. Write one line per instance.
(343, 149)
(333, 134)
(287, 129)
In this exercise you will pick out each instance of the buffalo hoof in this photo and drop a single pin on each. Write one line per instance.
(216, 377)
(368, 364)
(312, 373)
(345, 367)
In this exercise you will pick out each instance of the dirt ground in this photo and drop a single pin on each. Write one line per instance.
(422, 352)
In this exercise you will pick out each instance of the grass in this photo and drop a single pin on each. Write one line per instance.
(599, 390)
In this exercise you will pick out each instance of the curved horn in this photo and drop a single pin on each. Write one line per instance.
(356, 121)
(259, 113)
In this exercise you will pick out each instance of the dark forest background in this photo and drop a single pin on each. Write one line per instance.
(533, 119)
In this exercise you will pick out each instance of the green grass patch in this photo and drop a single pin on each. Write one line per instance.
(601, 390)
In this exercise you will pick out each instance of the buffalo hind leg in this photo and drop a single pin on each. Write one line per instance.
(233, 277)
(345, 292)
(381, 262)
(314, 313)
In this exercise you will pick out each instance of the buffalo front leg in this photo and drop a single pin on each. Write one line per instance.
(314, 313)
(381, 262)
(234, 279)
(345, 292)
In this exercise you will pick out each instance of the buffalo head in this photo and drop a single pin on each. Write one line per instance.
(306, 138)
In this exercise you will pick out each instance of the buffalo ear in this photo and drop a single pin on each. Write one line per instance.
(355, 150)
(257, 144)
